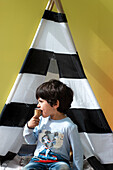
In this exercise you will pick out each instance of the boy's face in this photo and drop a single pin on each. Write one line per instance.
(47, 110)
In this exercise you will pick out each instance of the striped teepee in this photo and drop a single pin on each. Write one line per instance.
(53, 51)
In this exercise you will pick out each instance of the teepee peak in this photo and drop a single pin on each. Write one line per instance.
(58, 4)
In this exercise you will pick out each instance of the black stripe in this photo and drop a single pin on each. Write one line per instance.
(108, 166)
(27, 150)
(8, 156)
(53, 16)
(37, 62)
(70, 66)
(90, 121)
(16, 114)
(97, 165)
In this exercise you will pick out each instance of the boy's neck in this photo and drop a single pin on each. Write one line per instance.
(58, 116)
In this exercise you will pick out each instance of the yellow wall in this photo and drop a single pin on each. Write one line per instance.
(91, 25)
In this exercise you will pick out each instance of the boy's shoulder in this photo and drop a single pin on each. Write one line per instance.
(69, 122)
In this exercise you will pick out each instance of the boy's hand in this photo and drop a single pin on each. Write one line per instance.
(33, 122)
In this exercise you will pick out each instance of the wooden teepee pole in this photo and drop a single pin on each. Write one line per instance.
(50, 5)
(58, 4)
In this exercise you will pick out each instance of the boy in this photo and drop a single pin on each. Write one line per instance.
(54, 131)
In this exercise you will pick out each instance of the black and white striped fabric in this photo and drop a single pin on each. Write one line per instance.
(53, 53)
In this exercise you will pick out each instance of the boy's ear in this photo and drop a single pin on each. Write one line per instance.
(56, 105)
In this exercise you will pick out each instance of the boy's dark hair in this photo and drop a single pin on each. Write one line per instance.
(54, 90)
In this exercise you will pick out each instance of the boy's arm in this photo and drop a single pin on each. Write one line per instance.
(30, 132)
(76, 148)
(29, 135)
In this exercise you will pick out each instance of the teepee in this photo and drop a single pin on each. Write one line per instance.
(53, 54)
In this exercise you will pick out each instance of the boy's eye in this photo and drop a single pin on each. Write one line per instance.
(40, 101)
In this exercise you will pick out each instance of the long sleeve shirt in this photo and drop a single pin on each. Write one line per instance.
(57, 136)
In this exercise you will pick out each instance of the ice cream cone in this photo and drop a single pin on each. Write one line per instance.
(37, 112)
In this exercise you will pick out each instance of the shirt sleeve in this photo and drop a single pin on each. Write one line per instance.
(30, 135)
(76, 148)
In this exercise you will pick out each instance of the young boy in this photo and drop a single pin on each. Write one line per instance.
(54, 132)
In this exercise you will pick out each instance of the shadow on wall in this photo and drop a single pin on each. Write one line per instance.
(97, 72)
(96, 18)
(103, 28)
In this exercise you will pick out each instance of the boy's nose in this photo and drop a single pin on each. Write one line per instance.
(38, 105)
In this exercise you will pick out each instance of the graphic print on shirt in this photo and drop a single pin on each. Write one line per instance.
(51, 140)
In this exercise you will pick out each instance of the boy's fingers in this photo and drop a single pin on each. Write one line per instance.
(35, 118)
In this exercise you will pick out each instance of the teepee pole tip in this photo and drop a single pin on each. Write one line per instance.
(58, 4)
(50, 5)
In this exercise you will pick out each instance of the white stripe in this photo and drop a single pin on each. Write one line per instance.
(11, 139)
(83, 94)
(54, 37)
(100, 145)
(24, 88)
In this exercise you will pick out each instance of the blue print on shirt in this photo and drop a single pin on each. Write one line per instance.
(51, 140)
